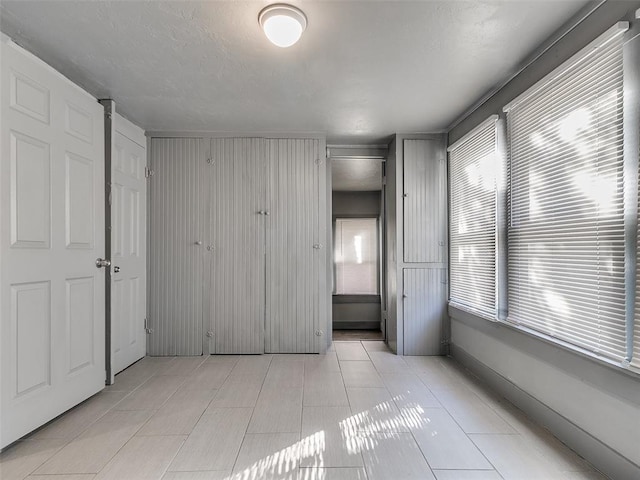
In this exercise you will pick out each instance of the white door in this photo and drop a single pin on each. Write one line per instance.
(128, 245)
(234, 307)
(52, 332)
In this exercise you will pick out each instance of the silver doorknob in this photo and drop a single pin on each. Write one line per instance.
(102, 263)
(116, 269)
(198, 242)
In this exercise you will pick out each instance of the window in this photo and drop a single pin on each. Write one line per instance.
(566, 242)
(356, 256)
(473, 169)
(635, 360)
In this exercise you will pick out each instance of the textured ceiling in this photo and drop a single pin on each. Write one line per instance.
(362, 70)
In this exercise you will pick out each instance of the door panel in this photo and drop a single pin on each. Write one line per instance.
(31, 199)
(237, 192)
(52, 219)
(128, 253)
(31, 327)
(294, 258)
(177, 246)
(425, 294)
(425, 202)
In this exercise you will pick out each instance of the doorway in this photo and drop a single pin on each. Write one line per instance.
(357, 220)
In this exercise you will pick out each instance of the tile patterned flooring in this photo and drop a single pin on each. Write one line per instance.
(357, 413)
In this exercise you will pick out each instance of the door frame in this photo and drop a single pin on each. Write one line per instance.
(109, 111)
(115, 123)
(377, 153)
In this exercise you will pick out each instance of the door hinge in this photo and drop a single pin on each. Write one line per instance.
(147, 330)
(148, 172)
(384, 180)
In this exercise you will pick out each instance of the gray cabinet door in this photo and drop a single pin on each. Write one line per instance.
(425, 293)
(295, 248)
(425, 202)
(235, 300)
(176, 251)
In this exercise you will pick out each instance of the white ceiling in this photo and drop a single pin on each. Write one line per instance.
(362, 70)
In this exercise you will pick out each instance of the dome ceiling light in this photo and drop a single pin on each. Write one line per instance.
(282, 24)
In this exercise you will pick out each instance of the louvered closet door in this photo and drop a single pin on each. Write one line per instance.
(295, 251)
(234, 307)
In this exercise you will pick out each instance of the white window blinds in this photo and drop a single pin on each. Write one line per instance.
(566, 218)
(473, 169)
(635, 358)
(356, 256)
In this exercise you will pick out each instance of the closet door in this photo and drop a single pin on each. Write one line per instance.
(425, 202)
(128, 245)
(176, 249)
(425, 305)
(295, 250)
(235, 304)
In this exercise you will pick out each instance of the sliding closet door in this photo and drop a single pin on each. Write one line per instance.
(176, 249)
(295, 249)
(234, 305)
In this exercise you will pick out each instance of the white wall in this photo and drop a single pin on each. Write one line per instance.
(592, 407)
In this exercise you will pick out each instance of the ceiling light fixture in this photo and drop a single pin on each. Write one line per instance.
(282, 24)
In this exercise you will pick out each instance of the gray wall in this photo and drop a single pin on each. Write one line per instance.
(591, 406)
(356, 311)
(394, 339)
(356, 204)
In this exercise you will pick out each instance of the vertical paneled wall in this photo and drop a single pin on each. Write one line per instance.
(177, 248)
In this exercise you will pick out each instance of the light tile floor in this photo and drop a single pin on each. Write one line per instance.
(357, 413)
